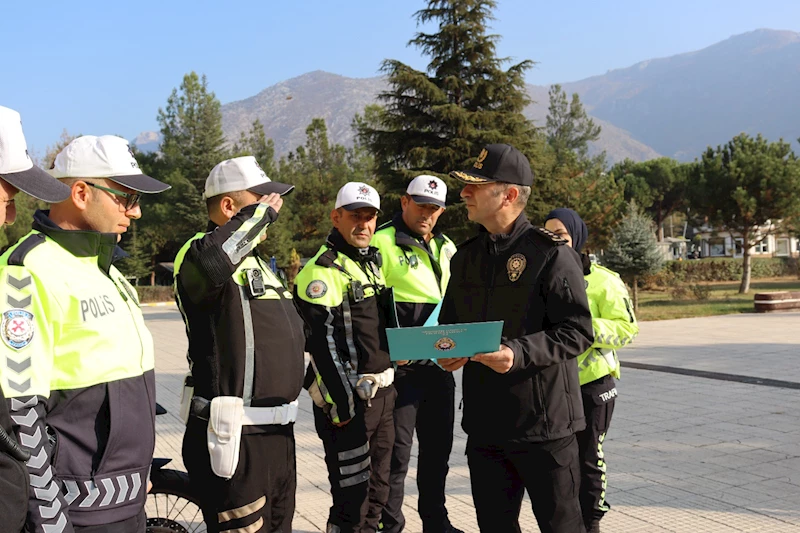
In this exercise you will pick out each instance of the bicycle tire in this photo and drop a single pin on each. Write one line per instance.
(172, 506)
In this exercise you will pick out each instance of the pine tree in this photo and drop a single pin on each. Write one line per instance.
(633, 251)
(438, 120)
(191, 126)
(255, 143)
(569, 128)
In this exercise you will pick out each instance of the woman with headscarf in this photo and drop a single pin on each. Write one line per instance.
(614, 326)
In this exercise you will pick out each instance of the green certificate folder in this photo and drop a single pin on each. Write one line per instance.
(439, 342)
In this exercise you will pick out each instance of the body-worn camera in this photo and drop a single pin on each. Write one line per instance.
(255, 282)
(356, 291)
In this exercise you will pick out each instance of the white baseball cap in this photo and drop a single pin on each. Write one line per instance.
(16, 166)
(355, 195)
(107, 157)
(427, 189)
(242, 174)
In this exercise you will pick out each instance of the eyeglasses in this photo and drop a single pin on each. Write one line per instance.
(132, 199)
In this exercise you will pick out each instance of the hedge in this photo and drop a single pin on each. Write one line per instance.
(721, 269)
(154, 294)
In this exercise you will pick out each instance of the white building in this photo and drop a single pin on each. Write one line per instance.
(727, 244)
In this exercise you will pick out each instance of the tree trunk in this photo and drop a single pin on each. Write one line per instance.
(744, 288)
(635, 294)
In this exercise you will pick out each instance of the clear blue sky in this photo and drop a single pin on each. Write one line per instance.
(98, 67)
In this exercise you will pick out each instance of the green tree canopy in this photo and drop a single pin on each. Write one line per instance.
(660, 186)
(438, 120)
(749, 187)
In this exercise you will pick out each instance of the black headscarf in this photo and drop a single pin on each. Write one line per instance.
(574, 223)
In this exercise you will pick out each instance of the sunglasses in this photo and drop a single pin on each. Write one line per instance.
(132, 199)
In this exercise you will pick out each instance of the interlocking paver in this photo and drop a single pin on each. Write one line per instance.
(685, 454)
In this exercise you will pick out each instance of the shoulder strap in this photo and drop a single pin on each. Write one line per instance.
(17, 257)
(549, 235)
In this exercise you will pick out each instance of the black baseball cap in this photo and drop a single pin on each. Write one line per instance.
(498, 163)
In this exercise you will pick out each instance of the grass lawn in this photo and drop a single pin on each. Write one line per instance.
(724, 300)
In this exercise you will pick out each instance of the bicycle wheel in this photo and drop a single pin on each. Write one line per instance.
(171, 505)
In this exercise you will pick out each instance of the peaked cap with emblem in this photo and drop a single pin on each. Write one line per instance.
(498, 163)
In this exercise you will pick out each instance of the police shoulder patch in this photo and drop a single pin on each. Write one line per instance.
(316, 289)
(16, 328)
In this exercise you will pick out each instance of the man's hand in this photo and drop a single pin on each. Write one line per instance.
(500, 361)
(452, 364)
(274, 200)
(403, 362)
(149, 486)
(341, 424)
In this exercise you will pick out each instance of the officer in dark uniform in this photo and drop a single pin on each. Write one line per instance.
(340, 294)
(17, 173)
(522, 403)
(246, 350)
(416, 264)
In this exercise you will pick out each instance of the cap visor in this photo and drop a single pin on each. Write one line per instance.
(359, 205)
(141, 183)
(422, 200)
(39, 184)
(469, 177)
(272, 187)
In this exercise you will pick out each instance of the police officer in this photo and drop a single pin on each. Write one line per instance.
(340, 293)
(246, 356)
(77, 357)
(416, 264)
(522, 404)
(17, 173)
(614, 326)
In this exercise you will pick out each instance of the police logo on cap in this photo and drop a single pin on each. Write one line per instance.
(516, 265)
(16, 328)
(433, 185)
(445, 344)
(316, 289)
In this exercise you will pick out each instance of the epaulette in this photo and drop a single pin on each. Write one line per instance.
(387, 224)
(547, 234)
(17, 257)
(327, 258)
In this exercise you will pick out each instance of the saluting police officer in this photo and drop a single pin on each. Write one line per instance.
(17, 173)
(246, 354)
(614, 326)
(78, 359)
(340, 293)
(416, 264)
(522, 403)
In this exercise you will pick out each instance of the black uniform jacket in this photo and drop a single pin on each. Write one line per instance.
(532, 282)
(223, 321)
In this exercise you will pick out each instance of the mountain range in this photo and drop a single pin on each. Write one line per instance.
(674, 106)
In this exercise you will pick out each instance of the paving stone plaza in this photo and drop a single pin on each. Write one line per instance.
(705, 435)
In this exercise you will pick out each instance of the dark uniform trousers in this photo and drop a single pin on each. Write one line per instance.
(549, 471)
(261, 491)
(137, 524)
(590, 442)
(425, 401)
(358, 457)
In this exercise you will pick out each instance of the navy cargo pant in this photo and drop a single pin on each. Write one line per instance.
(358, 457)
(549, 471)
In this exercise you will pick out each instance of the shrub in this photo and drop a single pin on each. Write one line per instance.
(701, 291)
(721, 269)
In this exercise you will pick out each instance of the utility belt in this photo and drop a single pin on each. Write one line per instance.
(251, 416)
(226, 416)
(365, 385)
